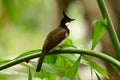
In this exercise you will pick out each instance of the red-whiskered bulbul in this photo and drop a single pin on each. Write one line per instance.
(54, 38)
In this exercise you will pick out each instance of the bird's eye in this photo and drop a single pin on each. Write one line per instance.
(67, 20)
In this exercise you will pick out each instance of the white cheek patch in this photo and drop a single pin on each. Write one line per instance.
(67, 24)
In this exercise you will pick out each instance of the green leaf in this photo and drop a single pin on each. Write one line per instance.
(43, 75)
(50, 59)
(66, 78)
(70, 57)
(68, 43)
(97, 76)
(2, 77)
(73, 58)
(74, 69)
(71, 74)
(11, 72)
(98, 68)
(100, 28)
(29, 75)
(57, 70)
(27, 66)
(61, 61)
(28, 53)
(4, 61)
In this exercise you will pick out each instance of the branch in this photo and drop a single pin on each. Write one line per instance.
(110, 27)
(65, 51)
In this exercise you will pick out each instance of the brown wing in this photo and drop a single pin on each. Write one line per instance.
(54, 38)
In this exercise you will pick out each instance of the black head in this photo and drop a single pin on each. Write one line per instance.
(65, 19)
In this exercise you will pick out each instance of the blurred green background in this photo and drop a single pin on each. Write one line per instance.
(25, 23)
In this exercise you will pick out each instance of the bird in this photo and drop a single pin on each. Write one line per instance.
(54, 38)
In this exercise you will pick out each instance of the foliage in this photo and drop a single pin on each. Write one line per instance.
(100, 28)
(66, 66)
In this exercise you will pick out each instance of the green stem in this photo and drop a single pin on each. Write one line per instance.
(110, 27)
(65, 51)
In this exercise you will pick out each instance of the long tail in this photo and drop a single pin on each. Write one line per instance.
(40, 61)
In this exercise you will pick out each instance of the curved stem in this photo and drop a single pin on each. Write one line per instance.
(65, 51)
